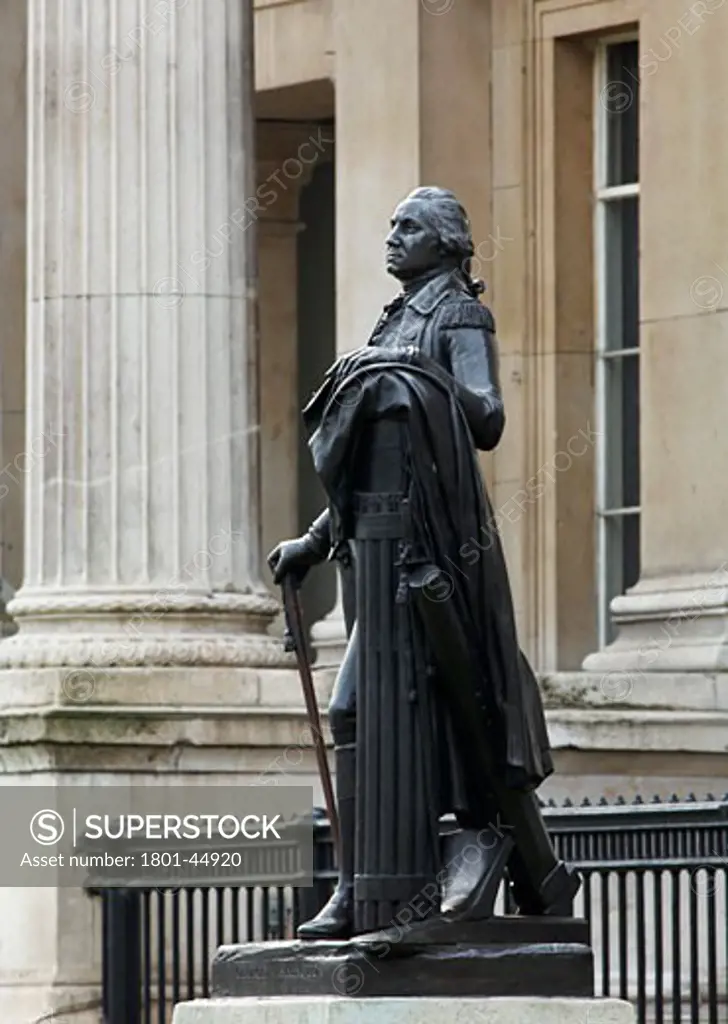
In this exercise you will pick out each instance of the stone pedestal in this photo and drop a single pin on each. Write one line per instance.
(456, 1010)
(506, 970)
(545, 957)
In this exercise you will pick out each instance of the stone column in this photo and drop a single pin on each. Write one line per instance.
(142, 653)
(142, 532)
(426, 138)
(676, 617)
(13, 444)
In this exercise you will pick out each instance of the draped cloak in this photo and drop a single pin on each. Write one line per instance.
(454, 529)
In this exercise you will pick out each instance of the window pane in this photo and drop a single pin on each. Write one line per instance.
(621, 259)
(623, 558)
(621, 102)
(622, 381)
(630, 551)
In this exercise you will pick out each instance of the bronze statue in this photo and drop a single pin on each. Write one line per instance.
(435, 709)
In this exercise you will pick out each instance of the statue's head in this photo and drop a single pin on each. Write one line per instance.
(429, 229)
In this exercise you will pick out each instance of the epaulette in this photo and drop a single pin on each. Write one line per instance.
(467, 313)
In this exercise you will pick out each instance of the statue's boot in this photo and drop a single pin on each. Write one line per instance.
(541, 883)
(336, 919)
(474, 864)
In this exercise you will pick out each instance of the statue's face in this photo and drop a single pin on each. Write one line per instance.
(412, 248)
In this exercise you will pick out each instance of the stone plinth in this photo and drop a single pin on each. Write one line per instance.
(340, 1010)
(504, 957)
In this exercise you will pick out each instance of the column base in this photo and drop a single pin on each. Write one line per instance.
(670, 624)
(57, 1004)
(343, 1010)
(626, 735)
(186, 727)
(50, 948)
(103, 630)
(238, 726)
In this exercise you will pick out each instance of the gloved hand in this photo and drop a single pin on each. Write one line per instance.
(361, 357)
(295, 557)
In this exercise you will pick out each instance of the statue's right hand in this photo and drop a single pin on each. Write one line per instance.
(293, 558)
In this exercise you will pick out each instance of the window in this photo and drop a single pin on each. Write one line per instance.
(616, 166)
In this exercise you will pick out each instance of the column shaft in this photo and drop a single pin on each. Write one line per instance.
(142, 528)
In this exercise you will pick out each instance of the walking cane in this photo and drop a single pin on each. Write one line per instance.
(294, 639)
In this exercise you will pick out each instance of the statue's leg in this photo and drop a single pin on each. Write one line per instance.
(541, 883)
(335, 920)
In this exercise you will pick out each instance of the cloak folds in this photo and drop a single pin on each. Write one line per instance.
(453, 526)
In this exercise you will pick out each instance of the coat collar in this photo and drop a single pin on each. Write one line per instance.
(427, 298)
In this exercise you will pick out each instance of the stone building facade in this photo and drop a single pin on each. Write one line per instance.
(189, 236)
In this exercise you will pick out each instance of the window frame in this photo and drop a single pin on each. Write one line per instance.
(605, 194)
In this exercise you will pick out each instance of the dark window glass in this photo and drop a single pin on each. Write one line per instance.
(623, 558)
(622, 273)
(620, 294)
(630, 551)
(622, 440)
(621, 99)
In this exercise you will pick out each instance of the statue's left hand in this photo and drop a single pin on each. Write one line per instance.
(360, 358)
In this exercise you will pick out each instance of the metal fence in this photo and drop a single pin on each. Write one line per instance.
(655, 895)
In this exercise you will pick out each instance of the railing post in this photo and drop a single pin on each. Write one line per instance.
(122, 956)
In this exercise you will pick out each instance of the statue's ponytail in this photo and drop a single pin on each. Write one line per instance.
(475, 285)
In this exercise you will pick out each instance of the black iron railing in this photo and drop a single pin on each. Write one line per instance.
(655, 894)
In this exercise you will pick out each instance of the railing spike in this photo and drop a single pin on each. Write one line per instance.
(586, 802)
(638, 800)
(603, 802)
(568, 803)
(620, 801)
(657, 799)
(692, 799)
